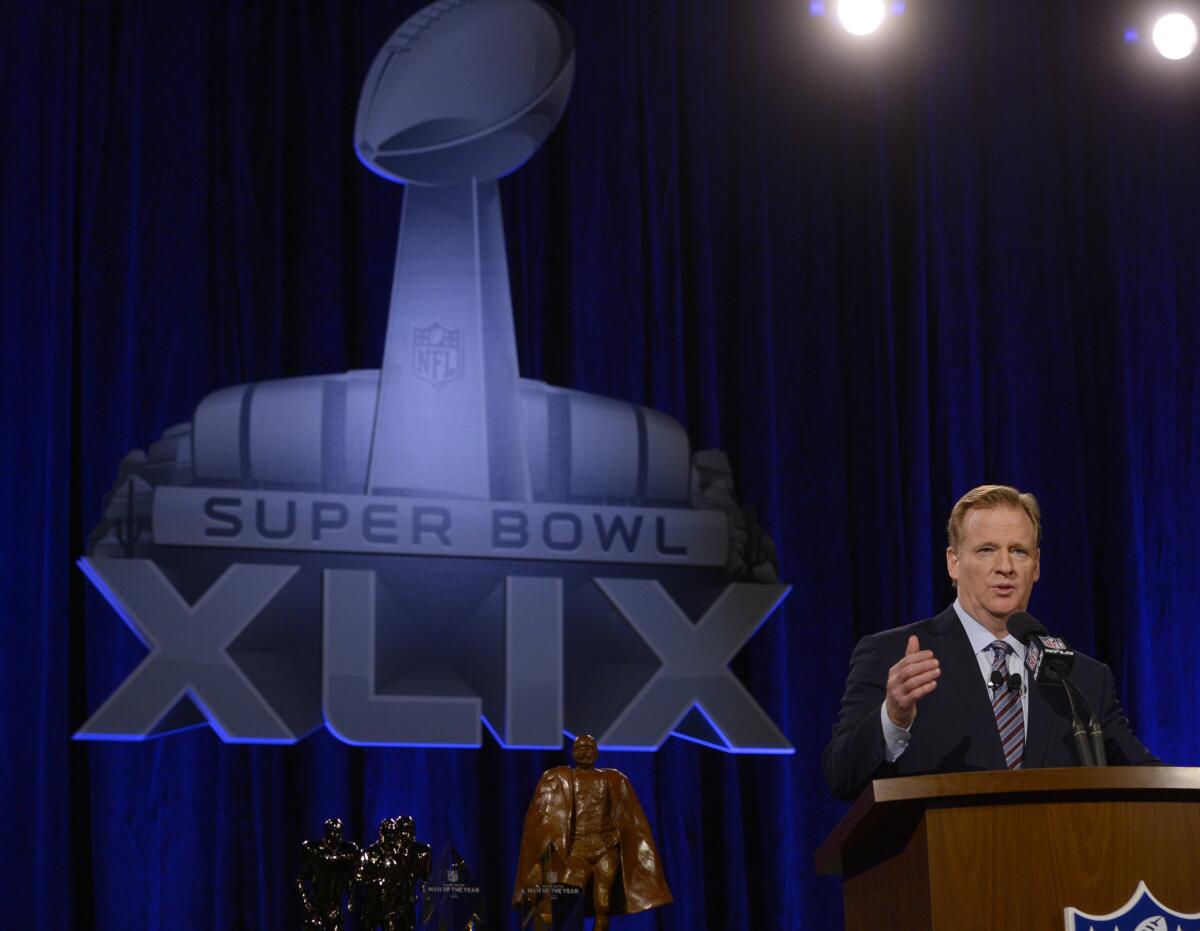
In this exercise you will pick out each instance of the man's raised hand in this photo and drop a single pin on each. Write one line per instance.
(910, 680)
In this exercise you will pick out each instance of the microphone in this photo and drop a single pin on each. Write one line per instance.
(999, 680)
(1049, 659)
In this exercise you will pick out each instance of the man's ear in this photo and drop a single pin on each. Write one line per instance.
(952, 563)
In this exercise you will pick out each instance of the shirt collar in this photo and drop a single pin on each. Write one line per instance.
(981, 638)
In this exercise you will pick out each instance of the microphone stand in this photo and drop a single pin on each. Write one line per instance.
(1089, 741)
(1097, 736)
(1095, 733)
(1078, 731)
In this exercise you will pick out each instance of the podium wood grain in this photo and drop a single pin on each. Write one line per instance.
(1011, 850)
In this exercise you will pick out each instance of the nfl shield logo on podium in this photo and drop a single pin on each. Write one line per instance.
(1143, 912)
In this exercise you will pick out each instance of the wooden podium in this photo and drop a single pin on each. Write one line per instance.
(1011, 850)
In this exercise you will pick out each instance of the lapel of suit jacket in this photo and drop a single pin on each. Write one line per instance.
(960, 671)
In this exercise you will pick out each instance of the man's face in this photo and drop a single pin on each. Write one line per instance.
(584, 751)
(995, 565)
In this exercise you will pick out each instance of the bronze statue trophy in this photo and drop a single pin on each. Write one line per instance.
(385, 884)
(326, 870)
(593, 817)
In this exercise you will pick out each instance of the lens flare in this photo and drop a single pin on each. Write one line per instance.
(861, 17)
(1174, 36)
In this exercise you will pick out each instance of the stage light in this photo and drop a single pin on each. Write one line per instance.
(1174, 36)
(861, 17)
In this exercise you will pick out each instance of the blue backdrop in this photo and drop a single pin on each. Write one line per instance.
(876, 275)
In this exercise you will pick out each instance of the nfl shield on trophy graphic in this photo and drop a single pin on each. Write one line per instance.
(437, 354)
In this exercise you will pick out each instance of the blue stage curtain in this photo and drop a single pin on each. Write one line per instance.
(875, 274)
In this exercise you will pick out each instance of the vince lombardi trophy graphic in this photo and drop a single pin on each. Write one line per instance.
(448, 121)
(408, 554)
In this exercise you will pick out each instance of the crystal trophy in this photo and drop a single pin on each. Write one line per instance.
(548, 903)
(452, 899)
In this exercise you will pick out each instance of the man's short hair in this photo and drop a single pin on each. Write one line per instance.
(993, 496)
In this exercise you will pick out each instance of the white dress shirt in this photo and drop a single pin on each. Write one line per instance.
(897, 738)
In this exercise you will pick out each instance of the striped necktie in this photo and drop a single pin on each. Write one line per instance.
(1006, 705)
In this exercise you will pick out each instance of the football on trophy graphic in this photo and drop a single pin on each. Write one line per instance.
(464, 89)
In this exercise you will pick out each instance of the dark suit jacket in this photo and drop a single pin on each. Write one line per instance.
(955, 730)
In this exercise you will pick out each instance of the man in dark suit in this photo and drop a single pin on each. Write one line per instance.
(944, 667)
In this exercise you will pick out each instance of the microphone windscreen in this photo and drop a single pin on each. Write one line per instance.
(997, 678)
(1014, 682)
(1023, 626)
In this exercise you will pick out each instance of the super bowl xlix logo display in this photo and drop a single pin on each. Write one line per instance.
(409, 554)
